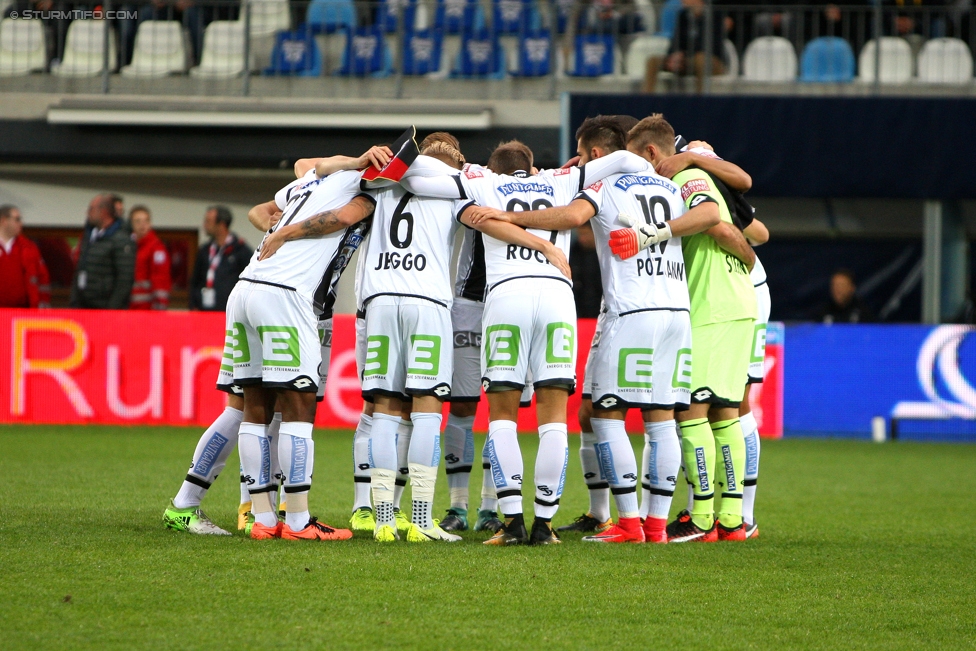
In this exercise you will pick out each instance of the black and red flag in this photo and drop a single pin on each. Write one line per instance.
(405, 151)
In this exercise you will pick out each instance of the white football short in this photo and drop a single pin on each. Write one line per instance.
(466, 322)
(408, 348)
(273, 336)
(325, 344)
(757, 358)
(529, 331)
(642, 360)
(587, 374)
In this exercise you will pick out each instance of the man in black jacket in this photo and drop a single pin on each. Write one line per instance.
(106, 264)
(219, 262)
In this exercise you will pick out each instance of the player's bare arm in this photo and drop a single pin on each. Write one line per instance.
(756, 233)
(324, 223)
(558, 218)
(732, 240)
(262, 215)
(729, 173)
(512, 234)
(377, 156)
(303, 165)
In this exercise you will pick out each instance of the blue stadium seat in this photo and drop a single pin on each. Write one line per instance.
(593, 55)
(391, 11)
(669, 18)
(480, 56)
(562, 9)
(422, 52)
(366, 53)
(330, 16)
(534, 53)
(458, 16)
(295, 53)
(514, 16)
(827, 59)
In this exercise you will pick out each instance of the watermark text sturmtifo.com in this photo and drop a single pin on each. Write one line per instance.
(76, 14)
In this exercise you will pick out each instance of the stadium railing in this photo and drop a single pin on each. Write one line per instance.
(529, 48)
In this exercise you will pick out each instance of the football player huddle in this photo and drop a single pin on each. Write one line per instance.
(680, 336)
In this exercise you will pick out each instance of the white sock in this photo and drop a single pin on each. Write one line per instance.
(245, 495)
(459, 457)
(209, 458)
(618, 463)
(645, 501)
(550, 469)
(750, 431)
(296, 450)
(662, 466)
(360, 463)
(403, 435)
(383, 459)
(489, 499)
(273, 428)
(506, 465)
(423, 458)
(255, 450)
(596, 483)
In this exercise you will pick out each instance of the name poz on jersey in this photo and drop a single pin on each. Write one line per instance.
(660, 267)
(393, 260)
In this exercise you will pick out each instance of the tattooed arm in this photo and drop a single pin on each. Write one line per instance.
(324, 223)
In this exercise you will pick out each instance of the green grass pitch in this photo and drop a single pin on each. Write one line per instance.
(862, 546)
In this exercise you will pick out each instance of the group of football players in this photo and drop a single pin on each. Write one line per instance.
(680, 336)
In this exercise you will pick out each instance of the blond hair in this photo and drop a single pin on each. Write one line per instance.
(652, 130)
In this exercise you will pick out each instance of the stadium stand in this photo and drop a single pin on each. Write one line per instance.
(23, 47)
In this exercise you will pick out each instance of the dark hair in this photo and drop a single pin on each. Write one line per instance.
(139, 208)
(224, 215)
(6, 210)
(626, 122)
(847, 273)
(510, 157)
(603, 131)
(655, 130)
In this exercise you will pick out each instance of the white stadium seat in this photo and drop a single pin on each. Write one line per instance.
(223, 50)
(945, 61)
(896, 61)
(268, 16)
(641, 49)
(84, 49)
(159, 50)
(22, 47)
(769, 58)
(732, 57)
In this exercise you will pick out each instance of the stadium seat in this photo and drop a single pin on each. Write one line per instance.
(896, 61)
(480, 56)
(732, 59)
(295, 53)
(422, 52)
(593, 56)
(562, 10)
(641, 49)
(84, 49)
(769, 58)
(669, 18)
(366, 53)
(459, 16)
(534, 54)
(645, 9)
(945, 61)
(514, 16)
(393, 11)
(827, 59)
(223, 50)
(159, 50)
(330, 16)
(268, 16)
(23, 47)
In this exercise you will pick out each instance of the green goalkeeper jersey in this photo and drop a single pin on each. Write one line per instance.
(718, 282)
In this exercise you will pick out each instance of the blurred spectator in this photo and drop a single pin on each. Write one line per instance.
(587, 287)
(845, 305)
(150, 289)
(25, 278)
(219, 262)
(687, 53)
(106, 262)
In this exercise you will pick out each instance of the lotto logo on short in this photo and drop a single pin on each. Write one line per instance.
(302, 383)
(693, 186)
(279, 345)
(503, 344)
(560, 343)
(377, 356)
(425, 355)
(634, 368)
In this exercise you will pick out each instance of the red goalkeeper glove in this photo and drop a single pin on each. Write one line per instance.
(628, 242)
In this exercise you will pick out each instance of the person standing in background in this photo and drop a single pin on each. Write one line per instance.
(219, 262)
(106, 262)
(26, 282)
(150, 289)
(844, 306)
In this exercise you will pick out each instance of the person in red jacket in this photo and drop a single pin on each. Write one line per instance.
(150, 289)
(26, 282)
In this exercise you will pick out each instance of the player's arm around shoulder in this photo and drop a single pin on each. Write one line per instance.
(262, 216)
(557, 218)
(756, 233)
(319, 225)
(732, 240)
(512, 234)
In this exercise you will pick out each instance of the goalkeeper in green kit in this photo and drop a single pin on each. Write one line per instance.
(723, 312)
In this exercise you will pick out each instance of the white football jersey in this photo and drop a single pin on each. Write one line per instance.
(301, 265)
(505, 261)
(654, 279)
(409, 251)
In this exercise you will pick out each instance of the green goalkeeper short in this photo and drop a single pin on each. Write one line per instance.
(720, 354)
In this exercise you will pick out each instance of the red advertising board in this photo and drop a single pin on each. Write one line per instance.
(86, 366)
